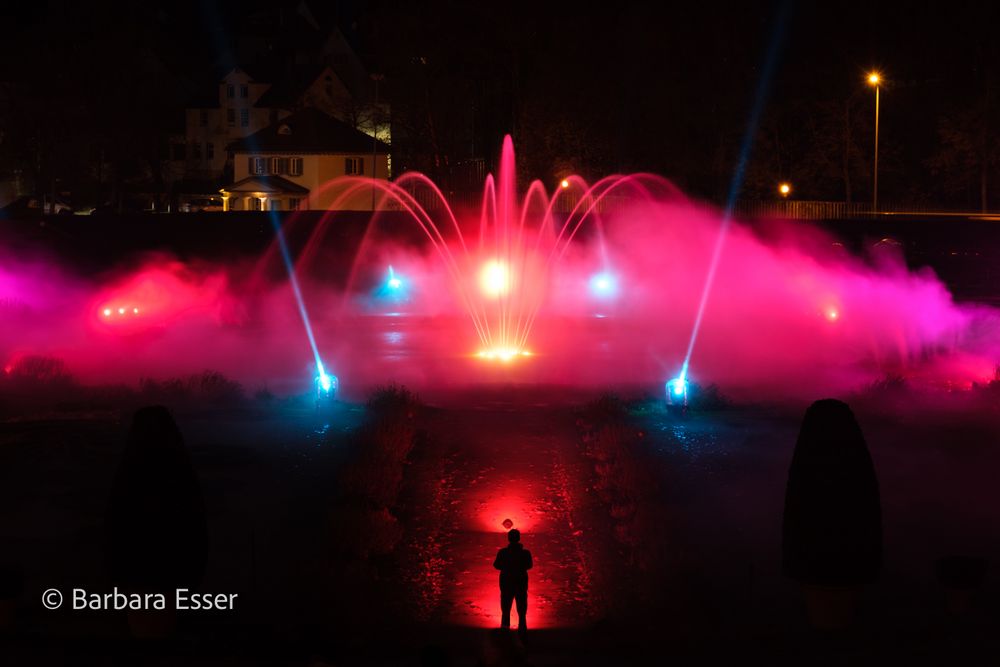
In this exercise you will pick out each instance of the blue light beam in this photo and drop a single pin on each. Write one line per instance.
(736, 184)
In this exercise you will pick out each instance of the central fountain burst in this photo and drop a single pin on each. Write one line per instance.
(500, 260)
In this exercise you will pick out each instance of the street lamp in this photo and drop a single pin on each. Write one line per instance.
(875, 79)
(785, 189)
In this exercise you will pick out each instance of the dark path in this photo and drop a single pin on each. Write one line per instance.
(490, 464)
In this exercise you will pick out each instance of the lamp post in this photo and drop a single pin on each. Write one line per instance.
(874, 79)
(376, 78)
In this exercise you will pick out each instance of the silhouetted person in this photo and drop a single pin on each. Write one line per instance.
(157, 538)
(513, 561)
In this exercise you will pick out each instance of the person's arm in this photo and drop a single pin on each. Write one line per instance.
(527, 560)
(498, 564)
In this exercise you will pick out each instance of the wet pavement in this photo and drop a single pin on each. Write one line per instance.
(488, 465)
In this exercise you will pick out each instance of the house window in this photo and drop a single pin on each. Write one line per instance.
(196, 150)
(354, 166)
(293, 203)
(244, 91)
(203, 117)
(231, 117)
(279, 165)
(244, 117)
(210, 150)
(255, 204)
(275, 204)
(257, 166)
(230, 91)
(295, 166)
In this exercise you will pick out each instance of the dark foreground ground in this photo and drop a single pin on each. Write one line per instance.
(270, 474)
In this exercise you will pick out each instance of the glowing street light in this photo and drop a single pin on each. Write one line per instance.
(875, 79)
(785, 189)
(564, 183)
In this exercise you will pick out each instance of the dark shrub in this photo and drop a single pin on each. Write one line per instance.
(832, 533)
(157, 538)
(393, 400)
(207, 389)
(960, 572)
(374, 532)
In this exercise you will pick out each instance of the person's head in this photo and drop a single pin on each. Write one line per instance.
(514, 536)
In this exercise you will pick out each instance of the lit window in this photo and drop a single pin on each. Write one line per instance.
(257, 166)
(295, 166)
(279, 165)
(244, 117)
(231, 117)
(354, 166)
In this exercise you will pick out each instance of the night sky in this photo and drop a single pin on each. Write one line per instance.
(590, 88)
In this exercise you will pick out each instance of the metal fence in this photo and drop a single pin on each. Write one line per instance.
(838, 210)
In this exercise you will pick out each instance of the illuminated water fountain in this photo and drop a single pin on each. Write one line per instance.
(586, 285)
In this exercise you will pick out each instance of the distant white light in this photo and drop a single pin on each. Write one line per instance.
(603, 285)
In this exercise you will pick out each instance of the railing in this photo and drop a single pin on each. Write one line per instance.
(838, 210)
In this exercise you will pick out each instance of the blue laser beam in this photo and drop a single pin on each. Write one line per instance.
(286, 257)
(746, 146)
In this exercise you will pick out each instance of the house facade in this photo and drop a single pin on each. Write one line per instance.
(289, 166)
(248, 103)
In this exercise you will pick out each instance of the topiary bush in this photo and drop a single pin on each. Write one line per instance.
(156, 529)
(832, 530)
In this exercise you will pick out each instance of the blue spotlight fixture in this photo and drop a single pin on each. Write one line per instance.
(395, 287)
(394, 283)
(326, 384)
(677, 391)
(603, 285)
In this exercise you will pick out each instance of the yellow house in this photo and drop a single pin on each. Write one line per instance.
(290, 164)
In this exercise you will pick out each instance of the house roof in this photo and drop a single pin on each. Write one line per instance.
(285, 92)
(267, 184)
(308, 131)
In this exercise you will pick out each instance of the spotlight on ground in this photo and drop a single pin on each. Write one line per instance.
(394, 283)
(504, 354)
(677, 392)
(603, 285)
(326, 384)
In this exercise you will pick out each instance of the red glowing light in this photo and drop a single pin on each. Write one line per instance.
(157, 296)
